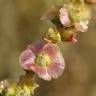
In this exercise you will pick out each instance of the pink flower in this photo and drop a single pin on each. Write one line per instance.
(82, 26)
(64, 17)
(43, 59)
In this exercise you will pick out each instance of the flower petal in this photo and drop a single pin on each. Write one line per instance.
(27, 59)
(50, 49)
(57, 67)
(82, 26)
(64, 17)
(41, 72)
(37, 47)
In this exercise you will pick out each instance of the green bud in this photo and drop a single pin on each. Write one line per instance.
(23, 91)
(67, 34)
(32, 88)
(52, 36)
(10, 92)
(3, 86)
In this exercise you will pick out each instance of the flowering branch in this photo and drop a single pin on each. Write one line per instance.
(44, 58)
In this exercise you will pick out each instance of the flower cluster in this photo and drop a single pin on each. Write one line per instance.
(25, 89)
(69, 19)
(44, 58)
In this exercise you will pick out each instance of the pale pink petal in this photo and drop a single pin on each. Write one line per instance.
(27, 59)
(64, 17)
(37, 47)
(57, 67)
(41, 72)
(82, 26)
(50, 49)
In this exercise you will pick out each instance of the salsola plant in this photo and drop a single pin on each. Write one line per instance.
(44, 57)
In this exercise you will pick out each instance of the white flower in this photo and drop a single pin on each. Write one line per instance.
(64, 17)
(82, 26)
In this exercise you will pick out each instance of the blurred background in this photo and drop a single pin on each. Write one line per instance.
(20, 25)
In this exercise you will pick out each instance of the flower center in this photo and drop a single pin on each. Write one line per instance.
(42, 60)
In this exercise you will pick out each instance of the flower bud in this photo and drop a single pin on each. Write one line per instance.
(23, 91)
(3, 85)
(33, 88)
(52, 36)
(10, 92)
(69, 35)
